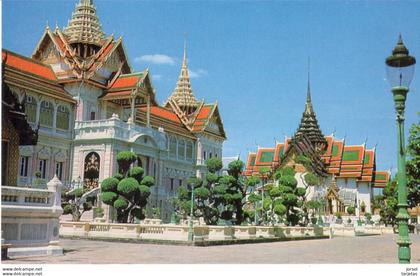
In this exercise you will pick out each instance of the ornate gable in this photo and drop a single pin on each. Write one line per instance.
(304, 147)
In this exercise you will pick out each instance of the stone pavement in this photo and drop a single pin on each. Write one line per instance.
(340, 250)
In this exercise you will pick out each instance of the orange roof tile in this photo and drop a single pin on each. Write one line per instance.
(199, 123)
(202, 118)
(126, 81)
(59, 42)
(278, 153)
(162, 113)
(106, 51)
(204, 112)
(28, 65)
(111, 95)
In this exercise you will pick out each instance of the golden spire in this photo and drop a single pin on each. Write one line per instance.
(183, 95)
(84, 26)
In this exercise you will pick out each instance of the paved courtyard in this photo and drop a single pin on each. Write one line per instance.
(370, 249)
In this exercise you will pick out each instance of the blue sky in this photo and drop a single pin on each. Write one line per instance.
(252, 58)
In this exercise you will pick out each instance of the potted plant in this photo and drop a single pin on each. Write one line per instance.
(338, 219)
(368, 217)
(38, 181)
(351, 210)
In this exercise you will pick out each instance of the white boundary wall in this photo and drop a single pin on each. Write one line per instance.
(30, 220)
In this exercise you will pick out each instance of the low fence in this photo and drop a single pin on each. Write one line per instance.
(351, 231)
(30, 220)
(169, 232)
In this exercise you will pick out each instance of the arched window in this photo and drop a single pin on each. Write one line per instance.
(172, 147)
(181, 149)
(30, 108)
(63, 116)
(189, 151)
(47, 113)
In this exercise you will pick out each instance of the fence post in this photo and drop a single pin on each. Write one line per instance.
(87, 228)
(56, 186)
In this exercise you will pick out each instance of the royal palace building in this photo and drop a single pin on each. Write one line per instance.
(347, 173)
(87, 104)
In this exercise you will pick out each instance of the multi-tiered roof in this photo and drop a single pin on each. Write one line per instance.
(183, 95)
(84, 25)
(327, 155)
(309, 126)
(81, 52)
(196, 116)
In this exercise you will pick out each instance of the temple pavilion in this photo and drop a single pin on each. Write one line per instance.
(348, 172)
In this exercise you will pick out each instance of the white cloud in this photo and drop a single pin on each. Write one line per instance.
(156, 77)
(156, 59)
(197, 73)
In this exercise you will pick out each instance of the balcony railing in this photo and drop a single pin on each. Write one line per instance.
(40, 183)
(114, 128)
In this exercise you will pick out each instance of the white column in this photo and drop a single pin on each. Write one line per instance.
(38, 110)
(55, 118)
(148, 111)
(132, 108)
(79, 109)
(104, 109)
(51, 170)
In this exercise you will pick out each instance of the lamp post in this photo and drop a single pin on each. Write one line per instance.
(190, 223)
(400, 70)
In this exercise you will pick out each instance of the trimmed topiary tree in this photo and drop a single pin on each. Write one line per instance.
(73, 203)
(285, 201)
(124, 160)
(351, 210)
(128, 190)
(217, 197)
(311, 179)
(208, 195)
(236, 192)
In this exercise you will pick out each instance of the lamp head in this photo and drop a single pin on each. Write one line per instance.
(400, 66)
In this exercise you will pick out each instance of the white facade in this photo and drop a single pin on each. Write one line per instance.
(350, 192)
(52, 154)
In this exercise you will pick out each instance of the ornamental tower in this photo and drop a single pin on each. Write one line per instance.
(84, 31)
(309, 126)
(183, 95)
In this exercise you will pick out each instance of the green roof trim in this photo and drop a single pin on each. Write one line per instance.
(351, 155)
(139, 74)
(264, 169)
(253, 160)
(281, 152)
(267, 156)
(335, 150)
(366, 160)
(380, 176)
